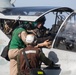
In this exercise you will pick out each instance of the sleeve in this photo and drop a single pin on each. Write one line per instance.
(42, 39)
(18, 30)
(45, 60)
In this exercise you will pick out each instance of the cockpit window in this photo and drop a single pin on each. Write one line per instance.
(66, 38)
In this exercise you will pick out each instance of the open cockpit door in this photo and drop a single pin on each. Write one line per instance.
(30, 13)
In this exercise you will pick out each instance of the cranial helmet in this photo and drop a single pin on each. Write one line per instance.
(30, 38)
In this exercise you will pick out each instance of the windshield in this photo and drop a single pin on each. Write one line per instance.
(66, 38)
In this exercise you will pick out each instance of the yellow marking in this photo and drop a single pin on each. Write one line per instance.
(40, 72)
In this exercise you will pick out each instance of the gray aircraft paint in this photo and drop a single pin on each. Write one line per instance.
(4, 65)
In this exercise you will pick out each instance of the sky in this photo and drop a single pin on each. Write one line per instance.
(66, 3)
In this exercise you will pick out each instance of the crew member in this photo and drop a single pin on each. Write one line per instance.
(34, 56)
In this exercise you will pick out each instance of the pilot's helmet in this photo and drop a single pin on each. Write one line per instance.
(30, 39)
(41, 19)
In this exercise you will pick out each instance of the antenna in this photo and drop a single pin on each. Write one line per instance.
(12, 2)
